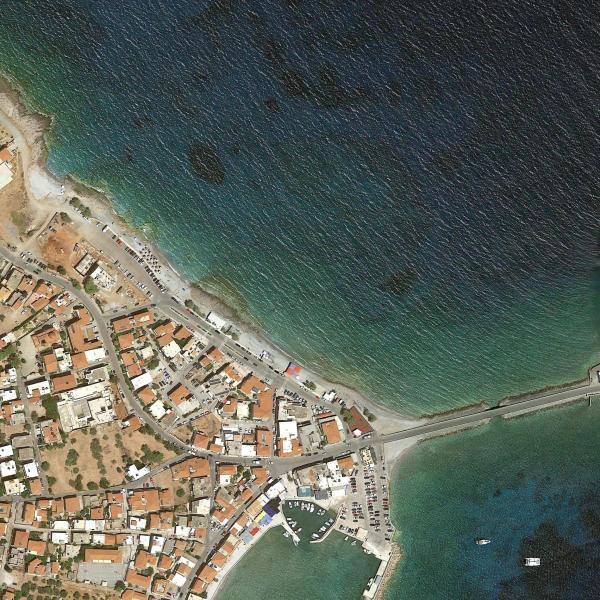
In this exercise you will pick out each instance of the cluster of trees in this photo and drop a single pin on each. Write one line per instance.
(151, 456)
(85, 210)
(90, 287)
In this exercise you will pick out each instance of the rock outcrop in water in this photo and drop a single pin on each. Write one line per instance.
(206, 163)
(401, 282)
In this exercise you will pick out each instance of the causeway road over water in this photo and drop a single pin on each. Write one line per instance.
(278, 466)
(446, 425)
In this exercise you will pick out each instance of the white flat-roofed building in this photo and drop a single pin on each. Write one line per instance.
(200, 506)
(14, 487)
(8, 469)
(275, 490)
(178, 579)
(60, 537)
(158, 410)
(90, 524)
(88, 405)
(42, 386)
(248, 450)
(137, 523)
(141, 380)
(288, 429)
(158, 543)
(101, 410)
(85, 264)
(135, 473)
(243, 410)
(189, 405)
(8, 395)
(95, 355)
(171, 350)
(31, 470)
(103, 279)
(87, 392)
(61, 525)
(184, 532)
(147, 352)
(6, 174)
(73, 415)
(6, 451)
(11, 375)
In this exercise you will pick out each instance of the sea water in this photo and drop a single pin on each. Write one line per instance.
(404, 197)
(530, 485)
(275, 568)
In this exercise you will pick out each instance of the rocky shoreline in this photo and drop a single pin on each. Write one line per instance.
(44, 191)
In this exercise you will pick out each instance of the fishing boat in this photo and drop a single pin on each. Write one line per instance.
(532, 562)
(482, 541)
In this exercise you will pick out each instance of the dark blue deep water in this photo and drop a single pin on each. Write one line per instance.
(404, 195)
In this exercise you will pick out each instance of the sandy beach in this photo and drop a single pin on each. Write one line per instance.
(47, 195)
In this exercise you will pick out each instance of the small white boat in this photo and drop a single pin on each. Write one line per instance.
(345, 538)
(286, 534)
(482, 541)
(532, 562)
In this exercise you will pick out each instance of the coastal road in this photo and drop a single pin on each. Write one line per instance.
(441, 426)
(278, 465)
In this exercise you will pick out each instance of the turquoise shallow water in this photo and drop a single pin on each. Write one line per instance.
(409, 203)
(275, 568)
(408, 198)
(536, 477)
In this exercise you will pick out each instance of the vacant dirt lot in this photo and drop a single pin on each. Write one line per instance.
(57, 247)
(112, 445)
(15, 217)
(93, 592)
(163, 480)
(209, 425)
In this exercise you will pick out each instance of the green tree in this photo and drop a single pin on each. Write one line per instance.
(72, 457)
(90, 287)
(153, 363)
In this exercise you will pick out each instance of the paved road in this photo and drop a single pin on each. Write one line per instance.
(278, 465)
(31, 425)
(213, 541)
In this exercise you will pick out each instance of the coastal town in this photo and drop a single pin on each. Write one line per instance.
(143, 448)
(148, 441)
